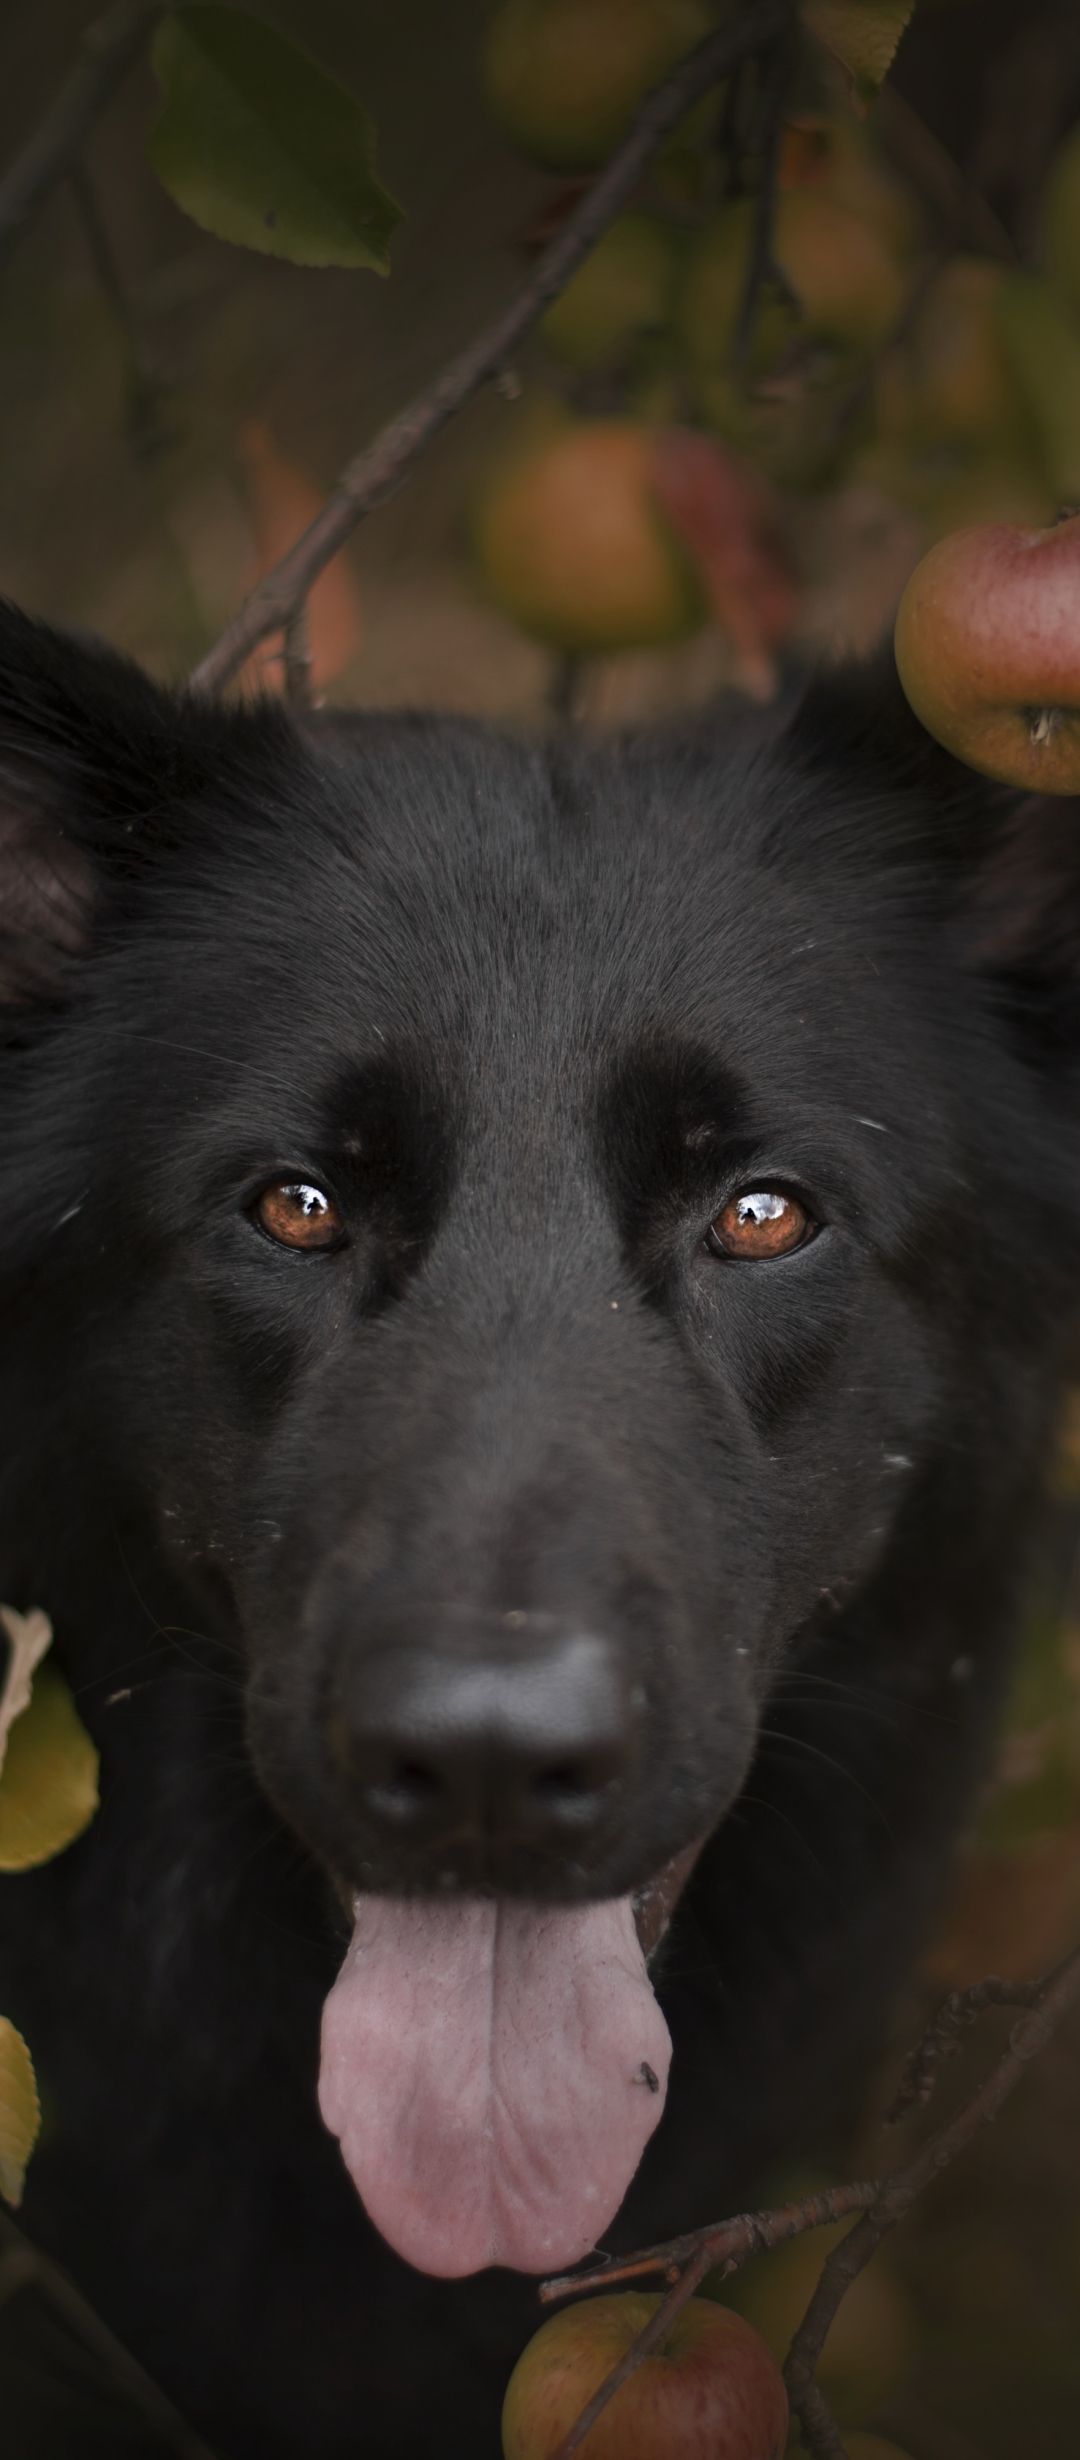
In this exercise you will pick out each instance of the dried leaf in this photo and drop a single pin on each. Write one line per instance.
(261, 147)
(48, 1789)
(30, 1636)
(863, 34)
(724, 515)
(283, 500)
(20, 2113)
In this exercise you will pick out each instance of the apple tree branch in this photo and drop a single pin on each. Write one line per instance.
(378, 472)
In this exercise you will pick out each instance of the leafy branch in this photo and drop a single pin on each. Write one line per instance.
(683, 2262)
(378, 472)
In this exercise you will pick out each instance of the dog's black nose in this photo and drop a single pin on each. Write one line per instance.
(518, 1743)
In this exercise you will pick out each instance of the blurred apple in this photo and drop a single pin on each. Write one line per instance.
(1041, 338)
(564, 78)
(572, 543)
(711, 2389)
(1061, 220)
(849, 285)
(951, 382)
(871, 2339)
(988, 651)
(835, 155)
(623, 289)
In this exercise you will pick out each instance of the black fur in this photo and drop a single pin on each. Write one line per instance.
(533, 1014)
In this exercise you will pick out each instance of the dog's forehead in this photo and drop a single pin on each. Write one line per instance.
(496, 893)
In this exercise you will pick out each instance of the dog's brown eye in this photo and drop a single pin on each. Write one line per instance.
(762, 1223)
(297, 1214)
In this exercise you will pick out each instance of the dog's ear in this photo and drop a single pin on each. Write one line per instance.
(46, 897)
(1022, 926)
(101, 770)
(1004, 866)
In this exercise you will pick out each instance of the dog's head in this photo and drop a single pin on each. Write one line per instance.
(541, 1203)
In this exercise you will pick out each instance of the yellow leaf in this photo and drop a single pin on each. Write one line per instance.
(863, 34)
(48, 1788)
(29, 1635)
(20, 2114)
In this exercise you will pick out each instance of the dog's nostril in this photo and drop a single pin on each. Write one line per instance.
(407, 1792)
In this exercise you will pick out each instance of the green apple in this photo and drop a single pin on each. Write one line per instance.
(572, 543)
(563, 78)
(623, 289)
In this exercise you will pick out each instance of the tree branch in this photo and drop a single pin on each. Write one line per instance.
(377, 473)
(684, 2262)
(22, 2267)
(106, 52)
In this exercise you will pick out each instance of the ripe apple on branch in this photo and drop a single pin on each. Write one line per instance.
(988, 651)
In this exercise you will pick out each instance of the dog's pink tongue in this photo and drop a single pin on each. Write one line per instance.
(494, 2072)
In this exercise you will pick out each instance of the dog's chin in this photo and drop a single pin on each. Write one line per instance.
(493, 2069)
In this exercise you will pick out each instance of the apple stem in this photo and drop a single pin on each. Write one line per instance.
(1044, 725)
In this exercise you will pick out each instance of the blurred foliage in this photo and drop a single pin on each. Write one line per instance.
(48, 1794)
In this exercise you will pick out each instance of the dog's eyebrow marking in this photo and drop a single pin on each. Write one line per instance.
(874, 1123)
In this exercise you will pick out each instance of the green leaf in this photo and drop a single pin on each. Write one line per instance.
(20, 2113)
(261, 147)
(863, 34)
(48, 1788)
(1042, 342)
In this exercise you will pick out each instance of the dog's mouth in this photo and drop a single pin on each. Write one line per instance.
(494, 2069)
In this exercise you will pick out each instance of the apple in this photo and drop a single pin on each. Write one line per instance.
(849, 284)
(712, 2388)
(622, 289)
(564, 78)
(1060, 233)
(837, 156)
(988, 651)
(573, 544)
(951, 380)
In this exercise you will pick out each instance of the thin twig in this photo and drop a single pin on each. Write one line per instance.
(379, 471)
(967, 219)
(106, 51)
(726, 2243)
(821, 2434)
(763, 272)
(143, 389)
(296, 654)
(962, 2007)
(22, 2267)
(1030, 2034)
(656, 2330)
(683, 2262)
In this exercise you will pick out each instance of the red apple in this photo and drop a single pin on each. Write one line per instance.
(988, 650)
(712, 2392)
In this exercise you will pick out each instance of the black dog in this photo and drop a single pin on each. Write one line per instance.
(535, 1286)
